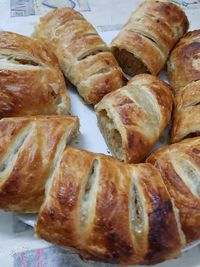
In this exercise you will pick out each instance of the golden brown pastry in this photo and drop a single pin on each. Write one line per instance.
(109, 211)
(179, 165)
(184, 74)
(184, 61)
(31, 82)
(146, 40)
(83, 56)
(133, 118)
(187, 112)
(30, 148)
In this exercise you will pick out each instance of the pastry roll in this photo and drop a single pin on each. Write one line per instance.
(146, 40)
(179, 165)
(31, 82)
(83, 56)
(30, 148)
(133, 118)
(187, 112)
(109, 211)
(183, 64)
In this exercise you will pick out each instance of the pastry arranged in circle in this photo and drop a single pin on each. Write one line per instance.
(31, 82)
(145, 41)
(133, 118)
(105, 209)
(109, 211)
(179, 165)
(84, 57)
(30, 149)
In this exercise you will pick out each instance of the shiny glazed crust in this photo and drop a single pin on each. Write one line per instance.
(179, 165)
(31, 82)
(183, 65)
(146, 40)
(132, 118)
(83, 56)
(29, 150)
(187, 112)
(109, 211)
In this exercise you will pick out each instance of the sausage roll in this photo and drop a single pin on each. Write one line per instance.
(31, 82)
(83, 56)
(109, 211)
(30, 148)
(146, 40)
(179, 165)
(187, 112)
(133, 118)
(183, 64)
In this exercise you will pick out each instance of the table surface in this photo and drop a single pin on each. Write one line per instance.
(18, 247)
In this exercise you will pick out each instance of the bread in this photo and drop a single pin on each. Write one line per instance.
(133, 118)
(109, 211)
(186, 121)
(179, 165)
(145, 41)
(183, 64)
(30, 148)
(31, 82)
(83, 56)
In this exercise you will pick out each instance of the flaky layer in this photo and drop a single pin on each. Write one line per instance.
(31, 82)
(83, 56)
(109, 211)
(179, 165)
(146, 40)
(132, 118)
(184, 62)
(186, 121)
(29, 150)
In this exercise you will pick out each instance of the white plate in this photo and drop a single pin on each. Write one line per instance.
(90, 137)
(30, 219)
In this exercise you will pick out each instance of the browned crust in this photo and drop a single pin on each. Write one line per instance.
(140, 49)
(108, 236)
(76, 42)
(22, 185)
(162, 239)
(183, 64)
(186, 121)
(185, 200)
(31, 81)
(149, 35)
(138, 128)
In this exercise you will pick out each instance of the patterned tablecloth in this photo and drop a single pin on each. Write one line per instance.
(18, 247)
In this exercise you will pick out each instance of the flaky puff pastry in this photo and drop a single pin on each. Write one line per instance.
(133, 118)
(183, 65)
(29, 150)
(31, 82)
(186, 121)
(146, 40)
(83, 56)
(109, 211)
(179, 165)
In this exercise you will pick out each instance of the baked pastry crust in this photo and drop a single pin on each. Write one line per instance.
(179, 165)
(29, 150)
(133, 118)
(183, 65)
(87, 195)
(31, 82)
(146, 40)
(187, 112)
(83, 56)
